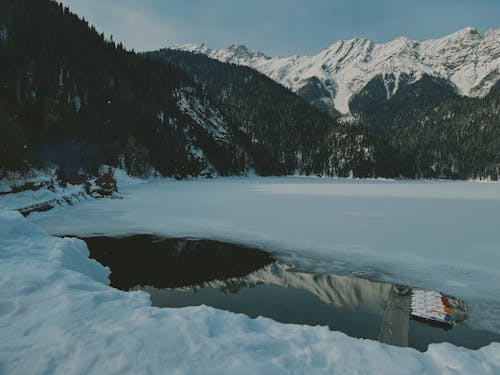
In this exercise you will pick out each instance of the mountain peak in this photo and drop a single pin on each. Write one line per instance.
(192, 47)
(468, 30)
(237, 47)
(239, 51)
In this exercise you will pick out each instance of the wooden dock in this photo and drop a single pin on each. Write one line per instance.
(396, 321)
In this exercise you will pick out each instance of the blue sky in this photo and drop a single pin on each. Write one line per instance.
(280, 27)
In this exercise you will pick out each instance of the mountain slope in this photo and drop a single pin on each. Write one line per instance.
(467, 60)
(434, 131)
(72, 98)
(281, 132)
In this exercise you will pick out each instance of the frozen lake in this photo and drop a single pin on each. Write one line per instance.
(437, 235)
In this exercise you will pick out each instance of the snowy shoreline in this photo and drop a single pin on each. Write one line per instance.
(59, 316)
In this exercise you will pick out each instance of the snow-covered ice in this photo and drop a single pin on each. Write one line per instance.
(58, 316)
(436, 235)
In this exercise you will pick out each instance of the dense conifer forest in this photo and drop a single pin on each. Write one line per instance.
(432, 131)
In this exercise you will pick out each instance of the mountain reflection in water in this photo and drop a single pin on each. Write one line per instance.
(191, 272)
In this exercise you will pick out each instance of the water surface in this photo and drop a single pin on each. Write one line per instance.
(189, 272)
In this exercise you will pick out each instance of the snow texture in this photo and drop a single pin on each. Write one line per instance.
(5, 188)
(59, 316)
(205, 116)
(435, 235)
(466, 59)
(28, 198)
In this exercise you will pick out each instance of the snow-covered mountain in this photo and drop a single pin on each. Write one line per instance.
(468, 60)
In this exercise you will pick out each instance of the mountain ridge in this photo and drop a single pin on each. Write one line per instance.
(467, 59)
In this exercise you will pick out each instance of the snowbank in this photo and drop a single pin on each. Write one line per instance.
(58, 316)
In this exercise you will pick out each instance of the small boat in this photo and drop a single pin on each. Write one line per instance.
(436, 308)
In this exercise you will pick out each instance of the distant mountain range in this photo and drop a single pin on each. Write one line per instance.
(467, 60)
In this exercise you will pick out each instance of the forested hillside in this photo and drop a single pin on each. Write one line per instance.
(432, 130)
(70, 97)
(283, 132)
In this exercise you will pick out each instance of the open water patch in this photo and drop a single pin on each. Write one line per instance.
(191, 272)
(172, 263)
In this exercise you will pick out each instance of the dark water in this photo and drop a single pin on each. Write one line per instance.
(298, 306)
(285, 305)
(172, 263)
(183, 272)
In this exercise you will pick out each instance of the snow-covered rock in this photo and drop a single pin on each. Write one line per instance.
(59, 316)
(468, 60)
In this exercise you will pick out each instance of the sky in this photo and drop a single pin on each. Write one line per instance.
(280, 27)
